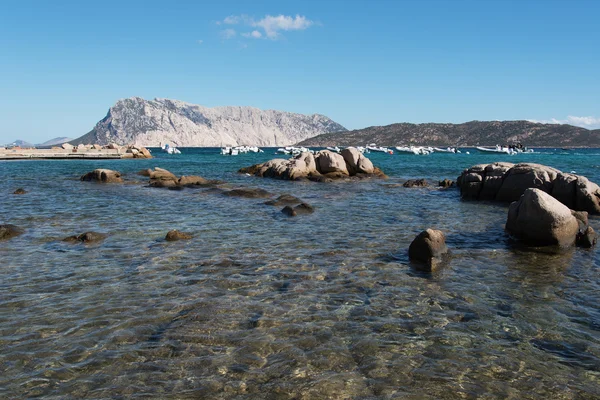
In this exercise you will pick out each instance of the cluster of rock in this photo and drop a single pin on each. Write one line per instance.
(506, 182)
(135, 151)
(323, 166)
(161, 178)
(103, 176)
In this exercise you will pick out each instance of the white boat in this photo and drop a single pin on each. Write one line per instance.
(419, 150)
(446, 150)
(334, 149)
(293, 150)
(170, 150)
(380, 149)
(497, 149)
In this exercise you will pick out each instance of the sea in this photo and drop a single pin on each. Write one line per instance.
(259, 305)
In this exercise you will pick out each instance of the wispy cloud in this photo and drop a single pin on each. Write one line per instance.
(228, 33)
(584, 122)
(253, 34)
(268, 27)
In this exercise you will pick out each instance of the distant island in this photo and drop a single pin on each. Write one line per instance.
(474, 133)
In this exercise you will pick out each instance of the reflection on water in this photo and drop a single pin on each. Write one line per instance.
(259, 305)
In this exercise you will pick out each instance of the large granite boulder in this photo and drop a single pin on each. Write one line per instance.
(427, 249)
(9, 231)
(539, 219)
(324, 166)
(507, 182)
(162, 178)
(103, 176)
(356, 162)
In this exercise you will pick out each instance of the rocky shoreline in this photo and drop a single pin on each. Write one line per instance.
(68, 152)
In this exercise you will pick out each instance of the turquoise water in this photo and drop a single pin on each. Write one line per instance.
(259, 305)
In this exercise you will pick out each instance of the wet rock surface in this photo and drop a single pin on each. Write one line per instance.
(87, 237)
(20, 191)
(9, 231)
(411, 183)
(174, 235)
(103, 176)
(427, 249)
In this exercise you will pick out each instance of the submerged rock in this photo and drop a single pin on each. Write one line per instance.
(415, 183)
(538, 219)
(8, 231)
(177, 235)
(302, 208)
(103, 176)
(427, 249)
(250, 193)
(283, 200)
(20, 191)
(446, 183)
(87, 237)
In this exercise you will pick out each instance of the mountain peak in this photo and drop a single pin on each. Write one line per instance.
(143, 122)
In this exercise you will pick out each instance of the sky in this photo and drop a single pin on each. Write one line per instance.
(63, 64)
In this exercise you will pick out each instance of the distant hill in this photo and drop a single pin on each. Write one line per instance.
(474, 133)
(19, 143)
(152, 122)
(55, 141)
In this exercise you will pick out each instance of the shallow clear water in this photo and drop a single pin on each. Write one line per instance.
(259, 305)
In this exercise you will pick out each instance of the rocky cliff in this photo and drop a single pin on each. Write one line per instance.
(474, 133)
(152, 122)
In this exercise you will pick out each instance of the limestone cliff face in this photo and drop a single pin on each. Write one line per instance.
(151, 122)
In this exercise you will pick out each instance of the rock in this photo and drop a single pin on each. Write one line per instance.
(587, 238)
(539, 219)
(133, 151)
(302, 208)
(144, 153)
(103, 176)
(328, 161)
(113, 146)
(283, 199)
(415, 183)
(427, 249)
(87, 237)
(356, 162)
(587, 196)
(81, 146)
(8, 231)
(446, 183)
(192, 181)
(177, 235)
(289, 211)
(145, 172)
(564, 189)
(67, 146)
(525, 176)
(494, 177)
(162, 178)
(20, 191)
(250, 193)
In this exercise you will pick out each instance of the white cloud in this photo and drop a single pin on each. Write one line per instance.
(228, 33)
(584, 122)
(253, 34)
(271, 26)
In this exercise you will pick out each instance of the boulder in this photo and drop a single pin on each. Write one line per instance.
(103, 176)
(177, 235)
(113, 146)
(415, 183)
(8, 231)
(87, 237)
(20, 191)
(446, 183)
(564, 188)
(587, 238)
(302, 208)
(162, 178)
(192, 181)
(587, 196)
(539, 219)
(356, 162)
(493, 179)
(144, 153)
(328, 161)
(427, 249)
(526, 176)
(67, 146)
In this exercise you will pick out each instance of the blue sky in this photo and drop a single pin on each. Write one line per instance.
(362, 63)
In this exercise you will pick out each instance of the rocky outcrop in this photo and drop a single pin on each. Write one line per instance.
(152, 122)
(284, 199)
(174, 235)
(103, 176)
(87, 237)
(161, 178)
(446, 183)
(538, 219)
(9, 231)
(249, 193)
(507, 182)
(324, 166)
(411, 183)
(427, 249)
